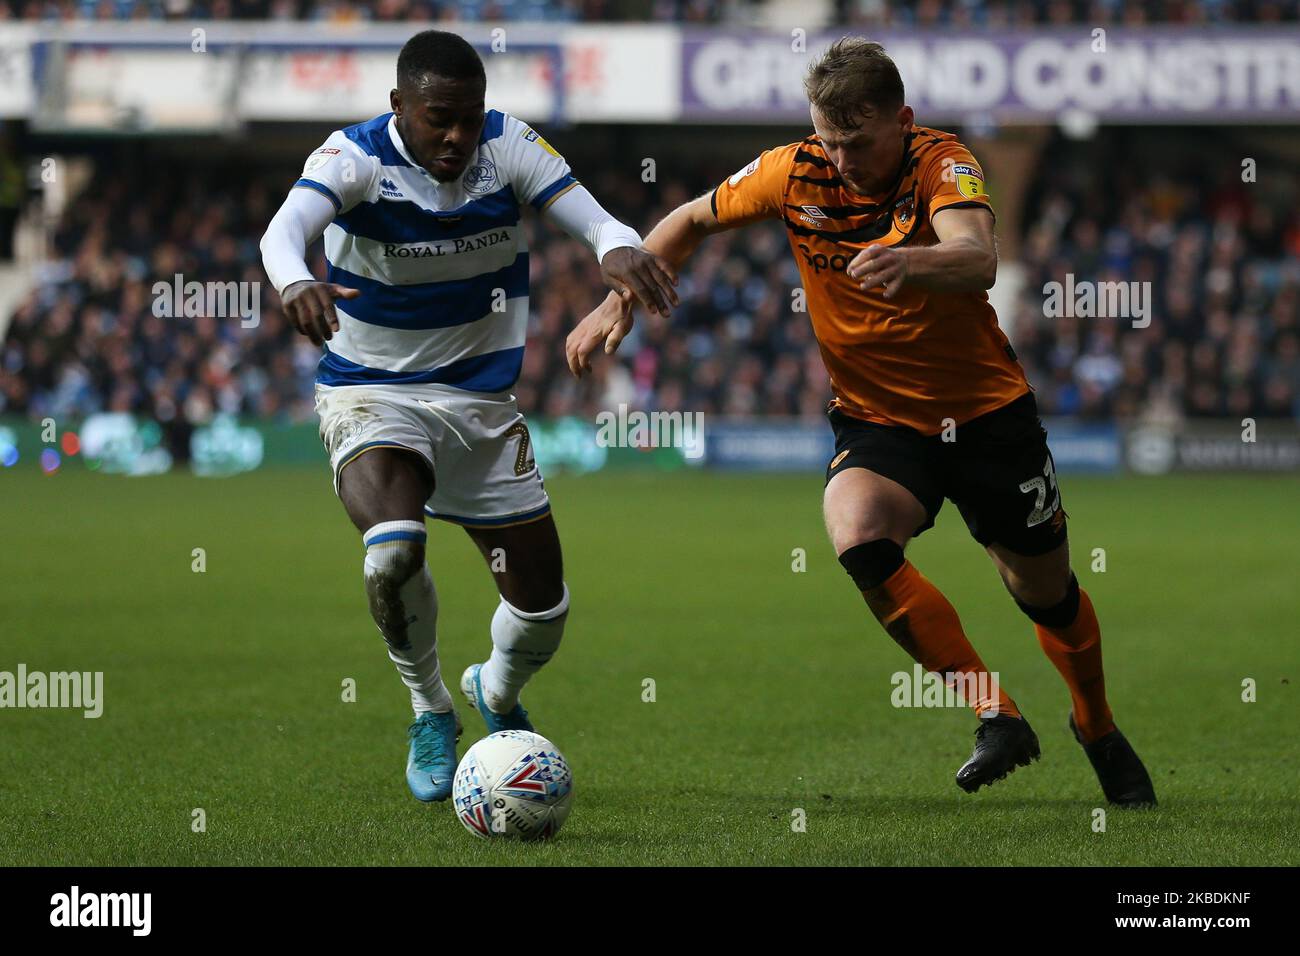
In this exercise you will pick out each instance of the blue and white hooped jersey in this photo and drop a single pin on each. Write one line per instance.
(442, 267)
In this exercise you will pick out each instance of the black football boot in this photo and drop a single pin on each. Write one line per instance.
(1003, 743)
(1124, 779)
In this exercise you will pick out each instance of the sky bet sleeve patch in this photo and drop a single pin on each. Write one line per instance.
(319, 158)
(534, 137)
(969, 180)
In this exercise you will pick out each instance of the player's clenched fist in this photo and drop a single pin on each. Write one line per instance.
(310, 307)
(877, 266)
(644, 275)
(608, 323)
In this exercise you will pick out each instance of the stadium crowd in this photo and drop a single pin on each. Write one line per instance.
(960, 14)
(1223, 262)
(1217, 258)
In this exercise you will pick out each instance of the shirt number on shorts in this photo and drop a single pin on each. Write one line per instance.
(523, 461)
(1041, 485)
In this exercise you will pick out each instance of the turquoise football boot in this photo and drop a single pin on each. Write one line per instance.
(471, 686)
(432, 763)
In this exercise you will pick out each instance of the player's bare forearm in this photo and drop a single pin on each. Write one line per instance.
(678, 235)
(960, 264)
(680, 232)
(673, 240)
(965, 259)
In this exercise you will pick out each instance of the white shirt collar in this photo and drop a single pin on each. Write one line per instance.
(396, 139)
(447, 187)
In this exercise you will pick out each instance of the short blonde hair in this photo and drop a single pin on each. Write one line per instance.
(853, 76)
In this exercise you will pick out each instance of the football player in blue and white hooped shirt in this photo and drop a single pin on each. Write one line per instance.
(425, 315)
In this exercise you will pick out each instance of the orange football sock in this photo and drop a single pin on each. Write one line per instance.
(1075, 651)
(922, 622)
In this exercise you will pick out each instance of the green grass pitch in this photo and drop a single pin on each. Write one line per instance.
(223, 689)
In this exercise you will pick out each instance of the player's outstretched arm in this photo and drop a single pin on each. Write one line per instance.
(672, 241)
(965, 259)
(308, 304)
(625, 266)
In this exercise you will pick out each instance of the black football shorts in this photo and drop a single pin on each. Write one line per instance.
(997, 470)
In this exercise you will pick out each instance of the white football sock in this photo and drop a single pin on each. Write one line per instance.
(404, 604)
(522, 641)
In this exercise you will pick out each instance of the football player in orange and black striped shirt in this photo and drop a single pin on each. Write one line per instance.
(891, 226)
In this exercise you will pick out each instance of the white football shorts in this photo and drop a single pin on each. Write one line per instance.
(477, 446)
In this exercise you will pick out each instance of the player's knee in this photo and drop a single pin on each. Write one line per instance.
(867, 521)
(1046, 604)
(382, 482)
(872, 563)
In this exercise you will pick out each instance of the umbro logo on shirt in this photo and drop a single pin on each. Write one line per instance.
(388, 189)
(812, 215)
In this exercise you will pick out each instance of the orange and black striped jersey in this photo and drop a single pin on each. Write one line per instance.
(922, 356)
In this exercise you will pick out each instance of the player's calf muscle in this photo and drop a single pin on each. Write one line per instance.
(533, 590)
(526, 562)
(1039, 580)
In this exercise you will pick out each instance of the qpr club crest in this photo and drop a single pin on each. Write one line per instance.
(344, 433)
(481, 178)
